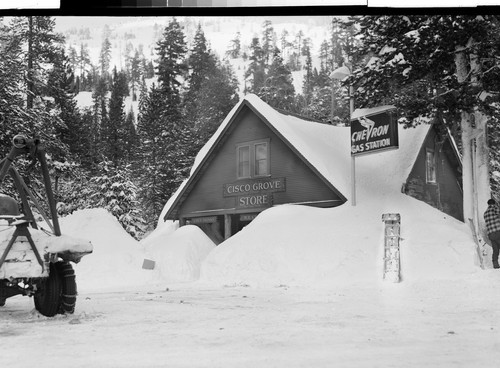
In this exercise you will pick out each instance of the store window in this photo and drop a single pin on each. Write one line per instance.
(253, 159)
(430, 166)
(244, 162)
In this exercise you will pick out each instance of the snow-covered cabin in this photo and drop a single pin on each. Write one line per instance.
(260, 157)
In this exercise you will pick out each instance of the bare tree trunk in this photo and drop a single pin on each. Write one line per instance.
(30, 83)
(481, 167)
(465, 124)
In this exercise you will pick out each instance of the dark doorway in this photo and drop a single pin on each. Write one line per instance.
(213, 227)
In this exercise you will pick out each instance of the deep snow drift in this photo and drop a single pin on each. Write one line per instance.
(296, 245)
(285, 245)
(178, 254)
(116, 260)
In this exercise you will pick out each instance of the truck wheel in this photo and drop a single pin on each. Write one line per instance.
(68, 297)
(48, 294)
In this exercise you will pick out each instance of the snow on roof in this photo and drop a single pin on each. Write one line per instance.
(327, 149)
(371, 111)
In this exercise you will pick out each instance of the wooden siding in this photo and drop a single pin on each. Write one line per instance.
(446, 194)
(302, 185)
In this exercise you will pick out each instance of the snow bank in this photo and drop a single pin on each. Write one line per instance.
(304, 246)
(117, 257)
(177, 253)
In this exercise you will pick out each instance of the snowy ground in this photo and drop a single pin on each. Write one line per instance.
(130, 317)
(445, 324)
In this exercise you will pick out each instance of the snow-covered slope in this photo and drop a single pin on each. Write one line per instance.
(177, 254)
(117, 257)
(298, 245)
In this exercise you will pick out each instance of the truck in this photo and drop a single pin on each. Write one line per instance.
(35, 257)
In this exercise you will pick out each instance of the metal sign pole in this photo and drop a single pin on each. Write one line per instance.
(353, 158)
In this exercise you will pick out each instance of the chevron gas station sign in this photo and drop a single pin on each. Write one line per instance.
(373, 130)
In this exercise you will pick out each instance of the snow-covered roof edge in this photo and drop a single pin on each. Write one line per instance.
(371, 111)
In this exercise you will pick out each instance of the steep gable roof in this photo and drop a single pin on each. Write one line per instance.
(324, 148)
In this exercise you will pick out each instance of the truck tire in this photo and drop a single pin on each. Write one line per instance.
(68, 296)
(49, 293)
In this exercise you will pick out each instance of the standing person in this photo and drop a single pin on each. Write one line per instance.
(492, 219)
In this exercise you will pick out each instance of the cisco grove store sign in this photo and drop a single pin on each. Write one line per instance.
(373, 130)
(254, 193)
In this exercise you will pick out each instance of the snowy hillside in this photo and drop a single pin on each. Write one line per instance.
(219, 31)
(84, 100)
(143, 33)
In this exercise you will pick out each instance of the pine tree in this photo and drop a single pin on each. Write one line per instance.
(82, 139)
(113, 129)
(176, 133)
(41, 43)
(61, 86)
(105, 57)
(308, 83)
(108, 187)
(215, 98)
(84, 64)
(285, 44)
(171, 50)
(37, 47)
(324, 56)
(155, 183)
(99, 118)
(298, 49)
(278, 90)
(135, 73)
(200, 62)
(128, 54)
(130, 139)
(149, 69)
(337, 54)
(318, 105)
(73, 58)
(114, 190)
(256, 72)
(267, 41)
(201, 67)
(234, 50)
